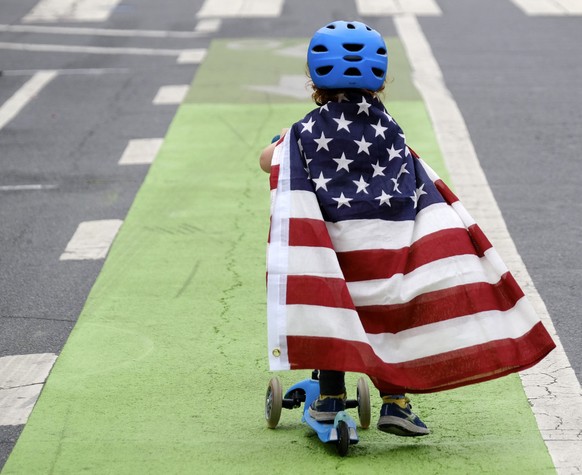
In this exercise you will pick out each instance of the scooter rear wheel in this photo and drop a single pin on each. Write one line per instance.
(273, 403)
(364, 410)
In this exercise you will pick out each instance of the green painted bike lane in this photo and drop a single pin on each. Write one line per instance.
(166, 369)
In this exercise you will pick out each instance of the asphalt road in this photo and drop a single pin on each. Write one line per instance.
(515, 78)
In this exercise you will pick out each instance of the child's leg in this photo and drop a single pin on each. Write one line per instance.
(332, 396)
(396, 416)
(332, 383)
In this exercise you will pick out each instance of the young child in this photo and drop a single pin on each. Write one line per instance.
(374, 266)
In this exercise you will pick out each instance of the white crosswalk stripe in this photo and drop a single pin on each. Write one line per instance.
(91, 240)
(240, 8)
(21, 380)
(397, 7)
(550, 7)
(141, 151)
(71, 10)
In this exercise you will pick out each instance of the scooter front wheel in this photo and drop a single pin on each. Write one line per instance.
(343, 438)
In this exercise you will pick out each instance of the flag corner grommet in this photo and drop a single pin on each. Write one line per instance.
(276, 352)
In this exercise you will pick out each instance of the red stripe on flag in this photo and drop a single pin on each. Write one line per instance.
(441, 305)
(274, 176)
(384, 263)
(322, 291)
(435, 373)
(308, 232)
(445, 191)
(479, 239)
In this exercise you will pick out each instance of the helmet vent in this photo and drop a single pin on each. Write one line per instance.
(331, 26)
(353, 47)
(352, 72)
(351, 26)
(378, 72)
(319, 49)
(352, 58)
(381, 52)
(323, 70)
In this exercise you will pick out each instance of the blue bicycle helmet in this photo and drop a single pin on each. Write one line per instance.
(347, 55)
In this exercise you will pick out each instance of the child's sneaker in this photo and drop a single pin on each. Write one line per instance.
(325, 408)
(396, 417)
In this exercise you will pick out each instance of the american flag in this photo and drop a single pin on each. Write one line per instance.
(374, 266)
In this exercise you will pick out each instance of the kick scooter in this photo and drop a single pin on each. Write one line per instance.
(342, 431)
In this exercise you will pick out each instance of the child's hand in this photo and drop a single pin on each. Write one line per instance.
(267, 154)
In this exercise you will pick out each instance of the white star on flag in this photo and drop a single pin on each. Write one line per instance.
(364, 106)
(342, 200)
(395, 181)
(342, 97)
(378, 170)
(322, 142)
(361, 184)
(379, 129)
(384, 198)
(393, 152)
(417, 194)
(308, 125)
(324, 107)
(388, 116)
(342, 162)
(321, 182)
(342, 123)
(363, 146)
(403, 171)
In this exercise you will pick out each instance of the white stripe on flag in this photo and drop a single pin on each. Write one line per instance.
(438, 275)
(363, 234)
(420, 342)
(320, 261)
(304, 204)
(276, 278)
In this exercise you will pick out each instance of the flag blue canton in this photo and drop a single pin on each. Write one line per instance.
(353, 155)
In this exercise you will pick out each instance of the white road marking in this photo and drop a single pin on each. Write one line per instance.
(87, 71)
(91, 240)
(192, 56)
(21, 381)
(551, 386)
(71, 10)
(208, 25)
(84, 31)
(240, 8)
(35, 187)
(12, 107)
(171, 94)
(550, 7)
(141, 151)
(290, 85)
(396, 7)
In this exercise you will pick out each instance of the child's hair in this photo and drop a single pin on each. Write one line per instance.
(323, 96)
